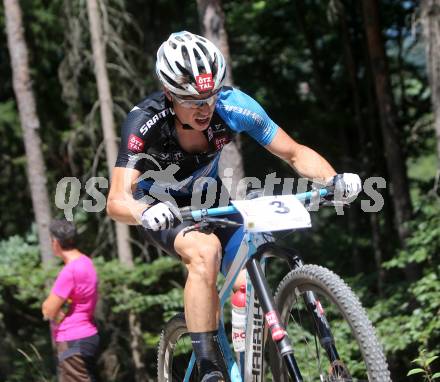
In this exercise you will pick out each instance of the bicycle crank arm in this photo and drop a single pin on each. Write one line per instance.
(276, 328)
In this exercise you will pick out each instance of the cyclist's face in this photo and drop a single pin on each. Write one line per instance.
(196, 115)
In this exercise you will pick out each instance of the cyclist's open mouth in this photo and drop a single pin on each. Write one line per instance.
(203, 122)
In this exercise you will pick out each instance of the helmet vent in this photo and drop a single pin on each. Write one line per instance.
(168, 64)
(173, 45)
(186, 59)
(197, 55)
(203, 49)
(180, 39)
(199, 62)
(184, 70)
(214, 65)
(170, 80)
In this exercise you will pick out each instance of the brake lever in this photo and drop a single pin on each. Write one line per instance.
(334, 203)
(196, 227)
(222, 223)
(208, 225)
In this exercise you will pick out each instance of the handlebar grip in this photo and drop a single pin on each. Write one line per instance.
(331, 187)
(186, 213)
(330, 190)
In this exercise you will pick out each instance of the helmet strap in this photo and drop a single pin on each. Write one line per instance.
(184, 125)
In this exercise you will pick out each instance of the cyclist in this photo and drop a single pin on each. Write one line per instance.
(183, 129)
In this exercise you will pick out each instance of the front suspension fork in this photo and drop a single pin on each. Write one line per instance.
(276, 328)
(322, 328)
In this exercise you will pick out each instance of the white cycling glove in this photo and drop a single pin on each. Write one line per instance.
(158, 217)
(347, 186)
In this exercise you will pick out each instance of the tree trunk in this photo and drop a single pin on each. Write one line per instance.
(393, 148)
(212, 21)
(318, 83)
(36, 169)
(376, 157)
(108, 126)
(107, 120)
(431, 30)
(377, 239)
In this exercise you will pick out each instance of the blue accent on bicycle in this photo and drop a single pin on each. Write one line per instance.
(301, 290)
(230, 254)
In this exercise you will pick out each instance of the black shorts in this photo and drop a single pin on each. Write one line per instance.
(165, 239)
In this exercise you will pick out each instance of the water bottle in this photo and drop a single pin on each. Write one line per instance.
(239, 319)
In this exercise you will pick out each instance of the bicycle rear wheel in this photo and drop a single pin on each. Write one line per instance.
(174, 352)
(360, 355)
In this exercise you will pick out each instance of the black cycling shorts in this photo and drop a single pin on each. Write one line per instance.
(165, 239)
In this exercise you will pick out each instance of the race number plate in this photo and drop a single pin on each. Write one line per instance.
(273, 213)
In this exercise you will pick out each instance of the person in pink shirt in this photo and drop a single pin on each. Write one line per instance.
(70, 307)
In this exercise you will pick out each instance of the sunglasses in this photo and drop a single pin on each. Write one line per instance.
(195, 103)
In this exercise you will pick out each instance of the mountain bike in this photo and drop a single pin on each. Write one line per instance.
(312, 329)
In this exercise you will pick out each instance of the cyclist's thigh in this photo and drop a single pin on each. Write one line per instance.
(187, 245)
(164, 239)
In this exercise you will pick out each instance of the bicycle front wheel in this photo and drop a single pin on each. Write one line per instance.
(174, 352)
(359, 356)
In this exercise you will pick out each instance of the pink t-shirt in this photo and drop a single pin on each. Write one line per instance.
(77, 281)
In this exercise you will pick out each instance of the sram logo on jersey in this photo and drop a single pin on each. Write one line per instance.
(135, 143)
(151, 122)
(204, 82)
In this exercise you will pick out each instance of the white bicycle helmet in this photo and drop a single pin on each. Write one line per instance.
(188, 64)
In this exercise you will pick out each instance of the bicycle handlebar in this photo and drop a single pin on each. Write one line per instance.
(197, 215)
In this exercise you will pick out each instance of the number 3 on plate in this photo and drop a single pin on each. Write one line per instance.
(281, 208)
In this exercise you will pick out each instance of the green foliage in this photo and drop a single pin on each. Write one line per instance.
(424, 362)
(137, 289)
(20, 269)
(293, 61)
(414, 308)
(35, 366)
(424, 242)
(13, 168)
(22, 290)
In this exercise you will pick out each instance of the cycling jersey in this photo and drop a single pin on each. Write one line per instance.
(149, 140)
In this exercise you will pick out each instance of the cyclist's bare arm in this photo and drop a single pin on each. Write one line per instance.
(305, 161)
(121, 206)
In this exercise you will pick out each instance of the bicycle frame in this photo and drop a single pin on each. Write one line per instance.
(244, 248)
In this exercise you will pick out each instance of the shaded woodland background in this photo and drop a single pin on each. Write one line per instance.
(358, 81)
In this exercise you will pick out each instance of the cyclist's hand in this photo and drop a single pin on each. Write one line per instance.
(347, 186)
(159, 216)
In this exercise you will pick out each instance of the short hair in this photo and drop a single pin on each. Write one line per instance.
(65, 232)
